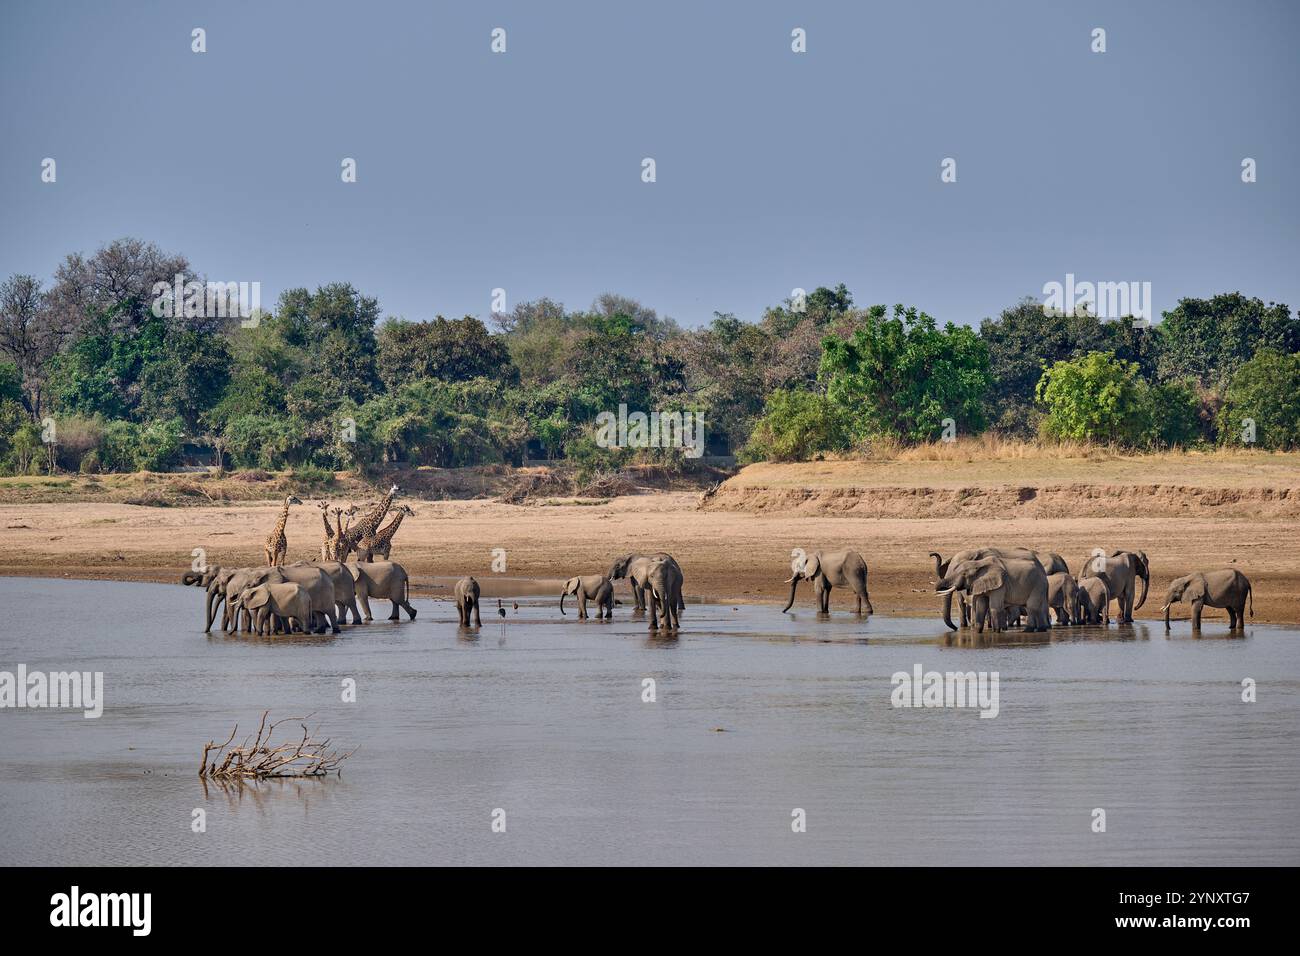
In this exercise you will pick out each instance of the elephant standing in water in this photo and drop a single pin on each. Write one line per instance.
(827, 569)
(662, 586)
(1000, 583)
(635, 567)
(213, 580)
(1123, 568)
(1094, 599)
(1051, 562)
(286, 600)
(1229, 589)
(1063, 597)
(382, 579)
(467, 602)
(319, 587)
(591, 587)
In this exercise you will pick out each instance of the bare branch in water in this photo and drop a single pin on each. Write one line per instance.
(305, 757)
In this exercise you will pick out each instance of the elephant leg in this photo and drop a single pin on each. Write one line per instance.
(582, 605)
(1197, 607)
(364, 600)
(478, 621)
(333, 620)
(650, 603)
(638, 593)
(1232, 618)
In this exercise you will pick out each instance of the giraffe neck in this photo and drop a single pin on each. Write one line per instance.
(284, 519)
(370, 522)
(386, 534)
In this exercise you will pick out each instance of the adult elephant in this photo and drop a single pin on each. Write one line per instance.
(345, 587)
(382, 579)
(942, 567)
(316, 582)
(635, 567)
(997, 583)
(1124, 569)
(1228, 589)
(662, 591)
(826, 570)
(213, 580)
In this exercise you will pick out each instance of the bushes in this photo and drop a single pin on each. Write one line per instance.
(155, 446)
(1265, 391)
(797, 424)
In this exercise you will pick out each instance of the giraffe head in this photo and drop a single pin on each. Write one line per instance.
(405, 509)
(292, 500)
(323, 505)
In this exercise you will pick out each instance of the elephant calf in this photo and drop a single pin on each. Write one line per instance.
(591, 587)
(1229, 589)
(1094, 599)
(467, 602)
(283, 599)
(827, 570)
(1063, 597)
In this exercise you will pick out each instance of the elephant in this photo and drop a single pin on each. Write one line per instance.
(1063, 597)
(1054, 561)
(1123, 568)
(284, 599)
(1228, 588)
(345, 587)
(827, 569)
(382, 579)
(467, 601)
(1094, 599)
(213, 580)
(591, 587)
(998, 583)
(634, 568)
(317, 583)
(662, 592)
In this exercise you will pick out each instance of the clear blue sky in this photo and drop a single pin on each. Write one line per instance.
(775, 170)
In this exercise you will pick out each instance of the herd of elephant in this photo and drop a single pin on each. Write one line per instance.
(995, 588)
(315, 596)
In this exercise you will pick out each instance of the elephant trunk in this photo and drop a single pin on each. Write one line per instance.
(794, 585)
(1146, 583)
(562, 594)
(1166, 617)
(211, 612)
(947, 611)
(940, 566)
(191, 578)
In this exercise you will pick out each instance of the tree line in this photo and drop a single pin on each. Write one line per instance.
(94, 379)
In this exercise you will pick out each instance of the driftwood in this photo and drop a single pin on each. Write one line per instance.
(258, 759)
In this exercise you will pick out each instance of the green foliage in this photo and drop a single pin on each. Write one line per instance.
(11, 383)
(796, 425)
(901, 376)
(1172, 414)
(1265, 389)
(265, 441)
(153, 446)
(452, 350)
(1208, 339)
(1093, 398)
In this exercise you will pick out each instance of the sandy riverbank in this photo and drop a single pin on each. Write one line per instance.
(728, 554)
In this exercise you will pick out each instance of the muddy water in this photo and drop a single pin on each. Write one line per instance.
(757, 714)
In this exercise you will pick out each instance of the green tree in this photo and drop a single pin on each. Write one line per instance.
(1094, 398)
(901, 376)
(796, 425)
(1208, 339)
(1265, 391)
(454, 350)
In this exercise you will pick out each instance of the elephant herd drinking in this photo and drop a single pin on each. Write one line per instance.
(994, 587)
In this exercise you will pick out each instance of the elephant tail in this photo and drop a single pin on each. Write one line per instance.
(1250, 596)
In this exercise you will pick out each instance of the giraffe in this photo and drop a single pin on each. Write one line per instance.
(277, 544)
(327, 544)
(381, 542)
(341, 542)
(370, 522)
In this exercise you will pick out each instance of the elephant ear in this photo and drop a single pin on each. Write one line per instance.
(257, 597)
(988, 579)
(813, 566)
(1195, 590)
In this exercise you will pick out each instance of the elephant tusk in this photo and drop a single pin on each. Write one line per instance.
(788, 581)
(946, 591)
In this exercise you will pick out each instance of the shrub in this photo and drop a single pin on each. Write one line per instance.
(797, 424)
(1266, 391)
(1095, 398)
